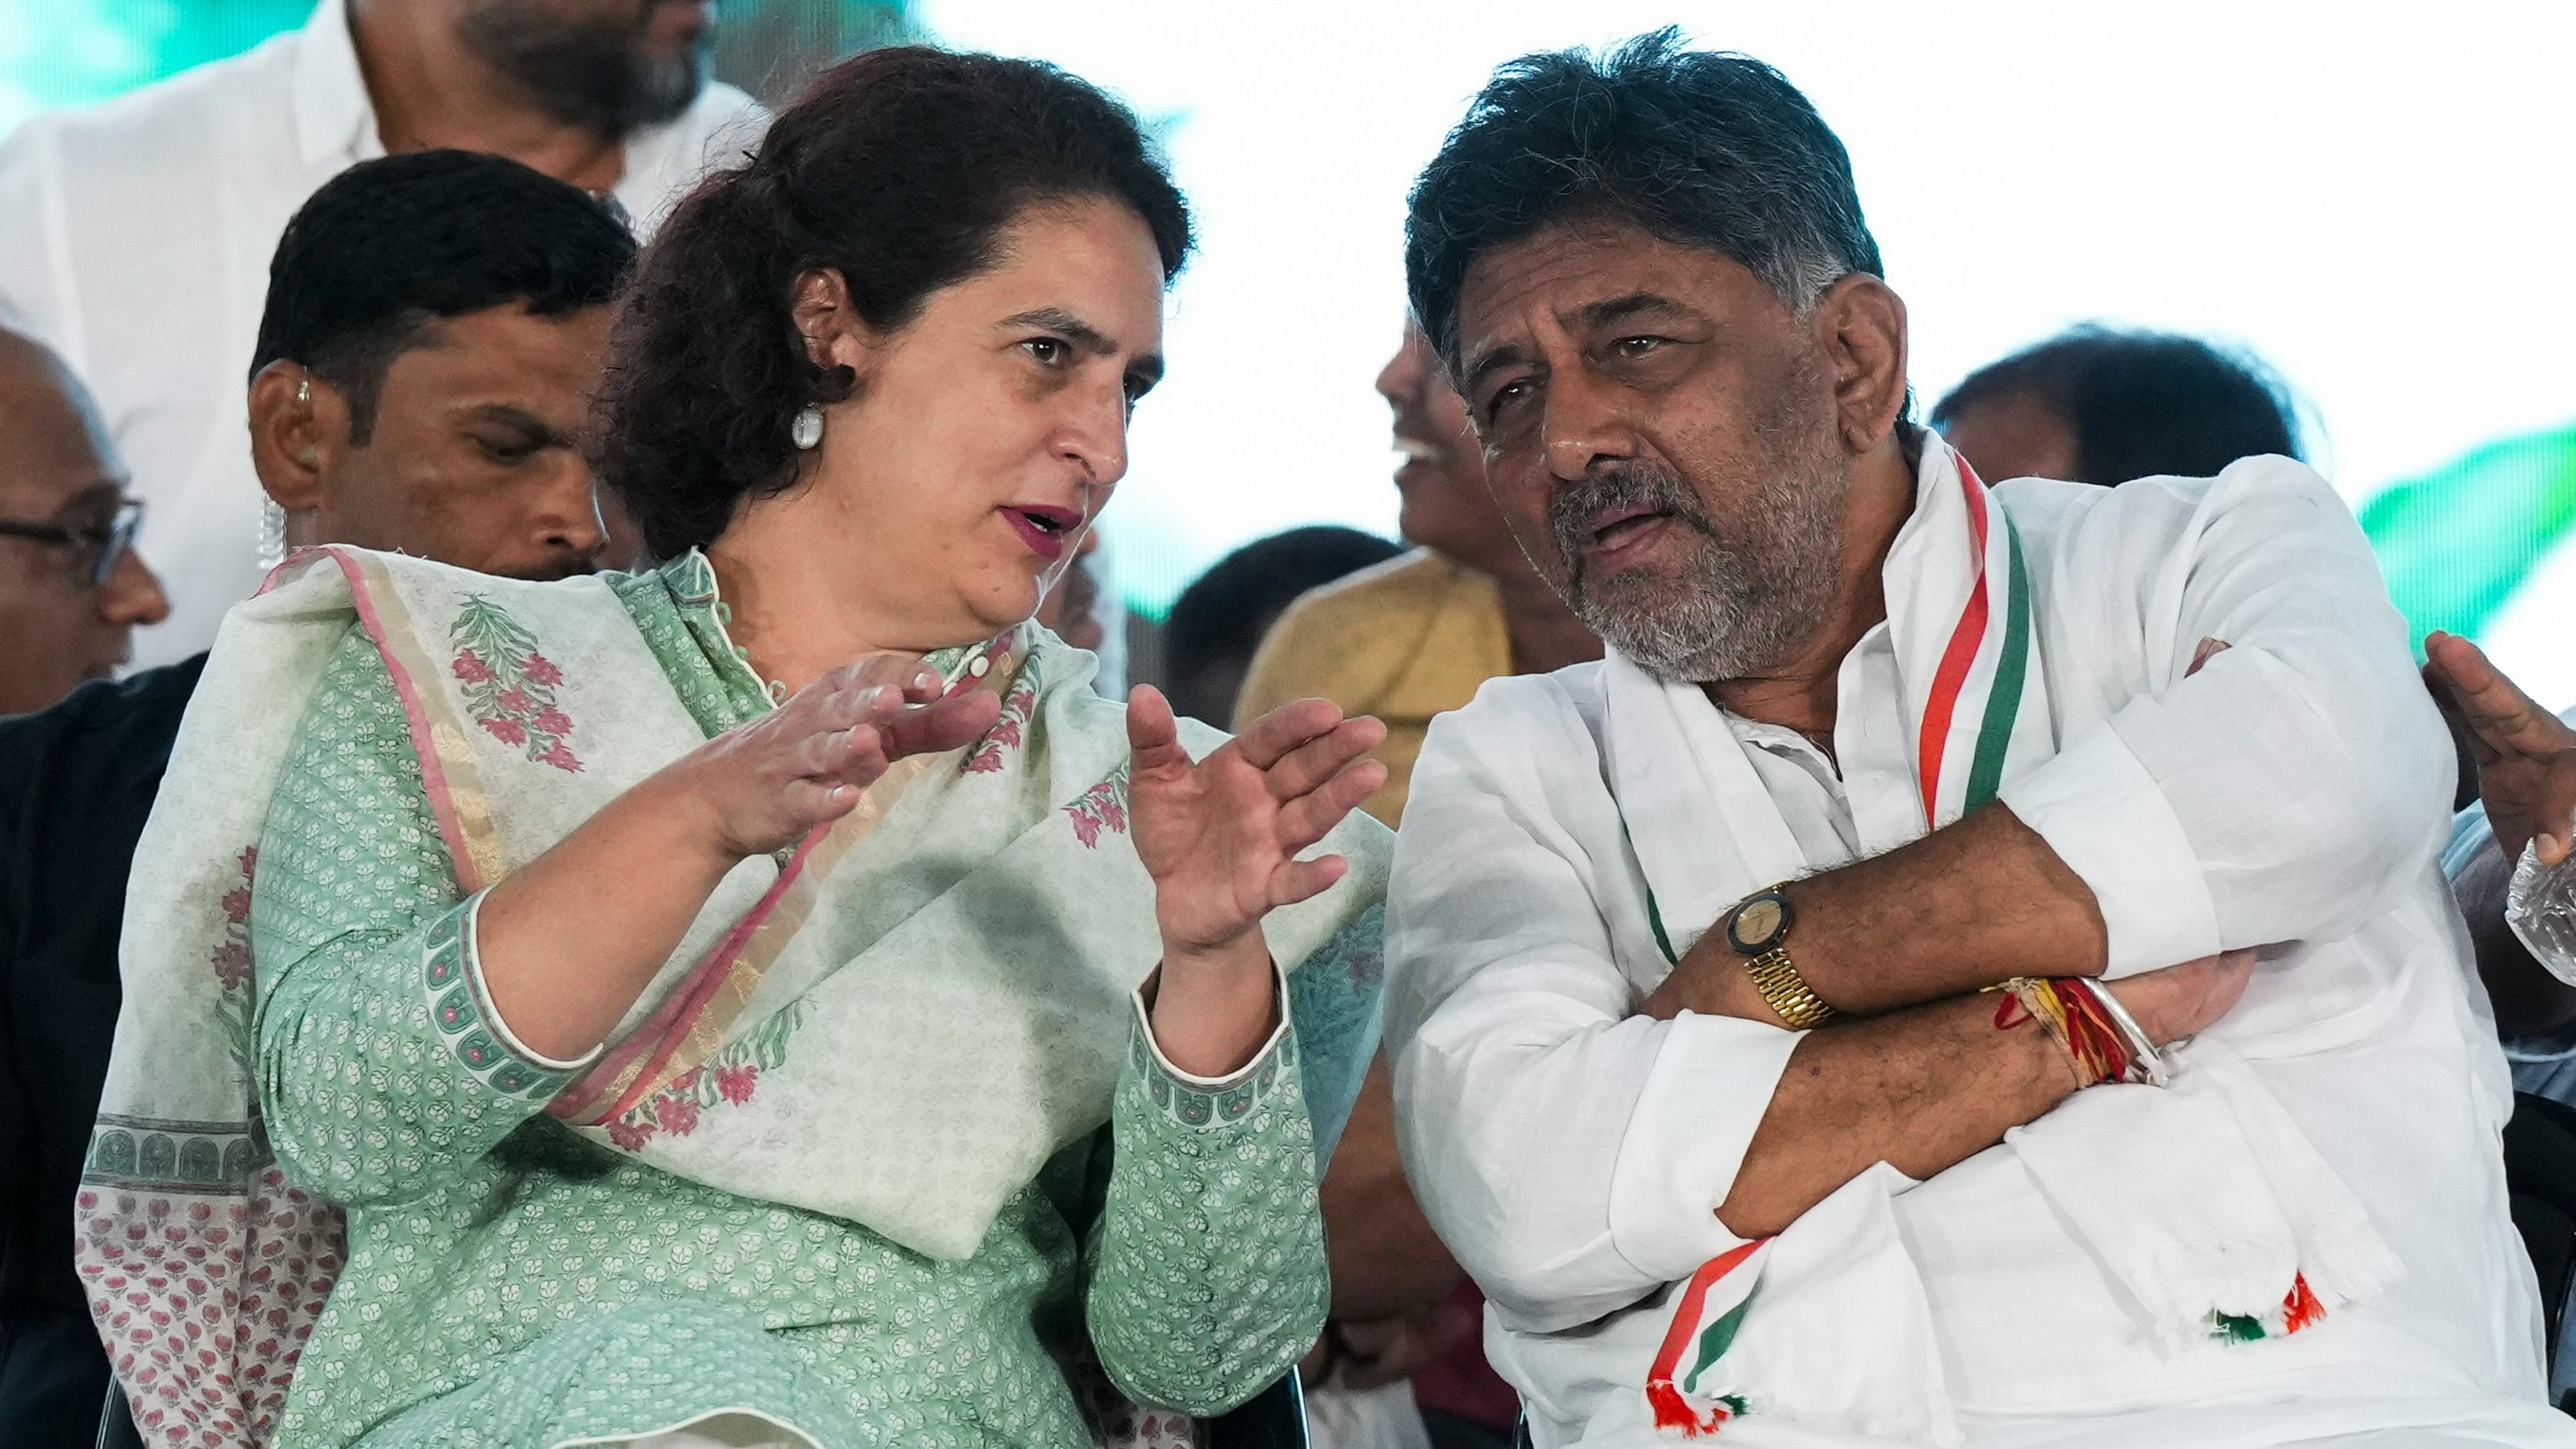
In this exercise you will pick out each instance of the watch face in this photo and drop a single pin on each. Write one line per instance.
(1755, 923)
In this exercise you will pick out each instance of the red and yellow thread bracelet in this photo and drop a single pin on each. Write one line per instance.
(2087, 1023)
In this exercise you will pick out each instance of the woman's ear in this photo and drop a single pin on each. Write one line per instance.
(819, 306)
(298, 425)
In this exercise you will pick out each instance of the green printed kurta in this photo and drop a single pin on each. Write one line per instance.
(509, 1282)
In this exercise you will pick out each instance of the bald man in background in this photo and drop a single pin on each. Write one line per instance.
(72, 588)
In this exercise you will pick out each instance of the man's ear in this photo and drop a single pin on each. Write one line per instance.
(1860, 323)
(298, 425)
(835, 336)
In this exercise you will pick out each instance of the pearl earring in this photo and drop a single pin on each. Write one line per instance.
(807, 430)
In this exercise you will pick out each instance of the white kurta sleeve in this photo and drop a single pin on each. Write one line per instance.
(1571, 1153)
(2284, 790)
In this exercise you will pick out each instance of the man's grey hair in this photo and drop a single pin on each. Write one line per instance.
(1701, 148)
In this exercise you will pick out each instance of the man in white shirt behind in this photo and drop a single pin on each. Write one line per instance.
(1696, 1065)
(135, 237)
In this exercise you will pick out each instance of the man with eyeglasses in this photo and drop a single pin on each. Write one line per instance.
(72, 588)
(434, 328)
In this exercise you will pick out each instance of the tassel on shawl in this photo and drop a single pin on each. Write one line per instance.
(1679, 1395)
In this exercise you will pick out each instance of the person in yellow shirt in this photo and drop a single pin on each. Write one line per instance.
(1418, 634)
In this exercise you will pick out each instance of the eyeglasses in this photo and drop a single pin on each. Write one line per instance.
(103, 532)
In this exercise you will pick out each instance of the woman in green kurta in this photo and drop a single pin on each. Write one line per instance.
(709, 1038)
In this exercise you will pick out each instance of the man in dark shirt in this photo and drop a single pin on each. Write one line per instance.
(434, 329)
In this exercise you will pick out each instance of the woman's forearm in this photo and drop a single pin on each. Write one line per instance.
(571, 939)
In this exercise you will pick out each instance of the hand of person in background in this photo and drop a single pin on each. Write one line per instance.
(1220, 838)
(2526, 756)
(767, 783)
(2526, 763)
(1366, 1355)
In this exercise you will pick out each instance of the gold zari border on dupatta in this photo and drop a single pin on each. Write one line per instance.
(446, 751)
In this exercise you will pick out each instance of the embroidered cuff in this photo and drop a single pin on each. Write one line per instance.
(1710, 1084)
(452, 977)
(1196, 1101)
(2100, 810)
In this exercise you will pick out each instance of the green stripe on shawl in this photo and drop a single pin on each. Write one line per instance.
(2003, 702)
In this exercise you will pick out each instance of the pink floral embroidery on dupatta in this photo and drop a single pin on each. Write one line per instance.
(509, 685)
(1010, 729)
(231, 961)
(729, 1079)
(1102, 807)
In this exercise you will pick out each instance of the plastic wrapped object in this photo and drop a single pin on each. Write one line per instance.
(2540, 905)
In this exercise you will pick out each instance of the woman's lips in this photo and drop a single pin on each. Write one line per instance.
(1045, 530)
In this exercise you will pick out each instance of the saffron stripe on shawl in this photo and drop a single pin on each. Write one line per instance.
(447, 770)
(2012, 670)
(1965, 640)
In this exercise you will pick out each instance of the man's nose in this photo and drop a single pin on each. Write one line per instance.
(568, 522)
(1583, 427)
(132, 594)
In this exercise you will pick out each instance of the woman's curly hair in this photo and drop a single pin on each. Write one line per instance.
(899, 168)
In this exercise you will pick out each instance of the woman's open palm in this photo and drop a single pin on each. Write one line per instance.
(1220, 836)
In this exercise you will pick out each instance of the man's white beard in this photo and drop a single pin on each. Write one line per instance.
(1748, 591)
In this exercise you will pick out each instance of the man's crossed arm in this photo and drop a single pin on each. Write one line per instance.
(1918, 1074)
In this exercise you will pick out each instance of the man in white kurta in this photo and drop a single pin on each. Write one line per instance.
(2181, 714)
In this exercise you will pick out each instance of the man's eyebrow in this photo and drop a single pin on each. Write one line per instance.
(1630, 308)
(539, 431)
(1076, 331)
(1507, 355)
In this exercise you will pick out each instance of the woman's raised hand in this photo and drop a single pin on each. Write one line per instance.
(1220, 837)
(767, 783)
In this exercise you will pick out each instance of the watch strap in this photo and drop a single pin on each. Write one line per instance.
(1787, 993)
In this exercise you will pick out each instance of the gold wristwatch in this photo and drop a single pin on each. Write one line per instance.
(1758, 930)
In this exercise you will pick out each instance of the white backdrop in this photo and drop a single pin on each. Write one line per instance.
(2375, 197)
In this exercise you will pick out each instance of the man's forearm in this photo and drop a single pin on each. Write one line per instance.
(1921, 1089)
(1962, 908)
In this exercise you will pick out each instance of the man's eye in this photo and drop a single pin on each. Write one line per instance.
(1048, 351)
(1634, 347)
(1504, 396)
(512, 450)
